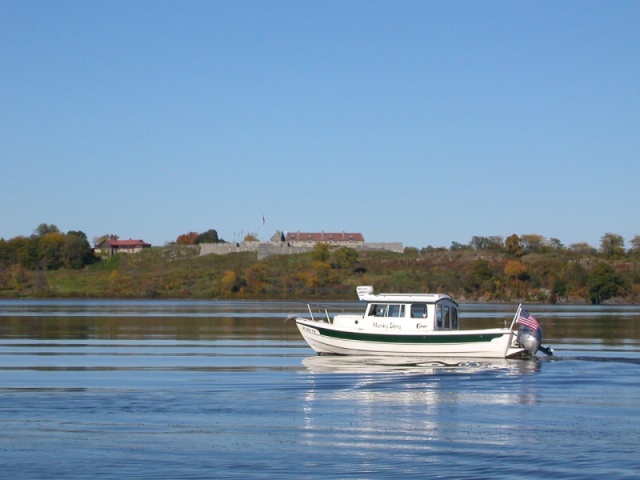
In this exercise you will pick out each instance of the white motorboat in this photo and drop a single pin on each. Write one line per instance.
(423, 325)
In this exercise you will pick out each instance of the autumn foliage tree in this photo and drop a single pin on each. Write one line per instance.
(515, 270)
(187, 238)
(513, 246)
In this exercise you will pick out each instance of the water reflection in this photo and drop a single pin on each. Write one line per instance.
(195, 389)
(423, 365)
(418, 397)
(612, 326)
(127, 320)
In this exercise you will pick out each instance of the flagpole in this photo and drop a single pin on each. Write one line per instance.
(515, 317)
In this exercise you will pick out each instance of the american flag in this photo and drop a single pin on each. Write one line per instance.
(525, 318)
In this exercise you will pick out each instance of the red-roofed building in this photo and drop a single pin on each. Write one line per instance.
(111, 247)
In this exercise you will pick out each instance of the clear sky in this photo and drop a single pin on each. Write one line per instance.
(424, 122)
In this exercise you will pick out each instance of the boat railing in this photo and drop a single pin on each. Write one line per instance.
(321, 312)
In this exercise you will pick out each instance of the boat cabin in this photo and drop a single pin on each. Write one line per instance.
(420, 311)
(429, 316)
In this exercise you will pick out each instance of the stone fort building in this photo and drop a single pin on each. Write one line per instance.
(288, 243)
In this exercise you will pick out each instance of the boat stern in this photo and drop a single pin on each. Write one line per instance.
(528, 342)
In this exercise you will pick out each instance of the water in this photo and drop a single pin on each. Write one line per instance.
(156, 389)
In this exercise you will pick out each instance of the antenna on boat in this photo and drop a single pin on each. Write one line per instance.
(515, 317)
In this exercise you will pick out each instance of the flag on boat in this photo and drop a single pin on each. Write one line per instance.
(528, 320)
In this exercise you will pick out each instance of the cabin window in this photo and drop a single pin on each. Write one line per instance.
(378, 310)
(419, 310)
(444, 314)
(386, 310)
(454, 319)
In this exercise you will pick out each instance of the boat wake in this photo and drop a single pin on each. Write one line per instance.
(631, 361)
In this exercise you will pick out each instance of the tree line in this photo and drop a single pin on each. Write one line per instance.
(528, 267)
(536, 268)
(47, 249)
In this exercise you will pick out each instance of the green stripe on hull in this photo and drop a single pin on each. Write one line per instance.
(421, 339)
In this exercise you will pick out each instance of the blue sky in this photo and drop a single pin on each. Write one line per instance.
(421, 122)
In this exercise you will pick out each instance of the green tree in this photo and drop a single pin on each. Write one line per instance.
(42, 229)
(455, 246)
(320, 252)
(612, 245)
(79, 234)
(478, 277)
(576, 278)
(50, 250)
(532, 243)
(25, 251)
(19, 277)
(5, 254)
(494, 243)
(345, 257)
(635, 244)
(604, 283)
(555, 244)
(75, 251)
(513, 246)
(558, 289)
(210, 236)
(582, 248)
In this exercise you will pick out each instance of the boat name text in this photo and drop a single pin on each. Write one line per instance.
(388, 326)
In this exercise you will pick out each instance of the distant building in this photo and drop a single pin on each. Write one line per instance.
(110, 247)
(301, 239)
(291, 243)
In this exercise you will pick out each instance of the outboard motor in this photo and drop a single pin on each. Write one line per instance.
(531, 340)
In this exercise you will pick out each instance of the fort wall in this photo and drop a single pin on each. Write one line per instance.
(266, 249)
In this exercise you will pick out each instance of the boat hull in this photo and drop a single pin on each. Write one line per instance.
(326, 338)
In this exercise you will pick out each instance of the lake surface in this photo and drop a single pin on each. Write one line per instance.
(179, 389)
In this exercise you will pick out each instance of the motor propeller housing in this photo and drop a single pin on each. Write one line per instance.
(530, 339)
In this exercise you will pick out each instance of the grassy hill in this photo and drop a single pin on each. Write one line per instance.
(178, 272)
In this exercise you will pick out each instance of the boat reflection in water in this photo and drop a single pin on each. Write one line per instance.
(423, 365)
(419, 381)
(429, 402)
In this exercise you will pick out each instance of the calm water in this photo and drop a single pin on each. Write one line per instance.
(105, 389)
